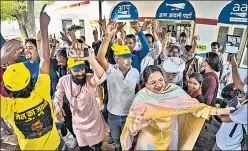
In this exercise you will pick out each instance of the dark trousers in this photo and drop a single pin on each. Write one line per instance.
(96, 147)
(68, 121)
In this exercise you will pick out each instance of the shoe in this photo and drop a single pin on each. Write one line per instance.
(111, 141)
(72, 142)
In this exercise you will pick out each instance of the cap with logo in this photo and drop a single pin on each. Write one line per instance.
(16, 77)
(122, 50)
(75, 64)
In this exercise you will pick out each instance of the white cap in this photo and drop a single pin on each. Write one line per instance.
(173, 40)
(173, 65)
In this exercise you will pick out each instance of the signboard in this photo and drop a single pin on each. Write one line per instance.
(124, 11)
(234, 13)
(201, 48)
(232, 44)
(176, 10)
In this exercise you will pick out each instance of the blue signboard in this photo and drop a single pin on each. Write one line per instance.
(176, 10)
(124, 11)
(234, 13)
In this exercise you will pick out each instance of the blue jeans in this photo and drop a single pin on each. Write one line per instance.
(105, 112)
(116, 123)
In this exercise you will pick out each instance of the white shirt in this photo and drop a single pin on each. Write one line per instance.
(151, 56)
(121, 90)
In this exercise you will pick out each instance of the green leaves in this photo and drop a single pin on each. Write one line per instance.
(10, 8)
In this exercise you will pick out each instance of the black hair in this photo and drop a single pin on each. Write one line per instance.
(214, 61)
(149, 70)
(197, 76)
(83, 37)
(215, 44)
(31, 40)
(183, 34)
(188, 47)
(24, 93)
(132, 36)
(175, 47)
(150, 35)
(61, 52)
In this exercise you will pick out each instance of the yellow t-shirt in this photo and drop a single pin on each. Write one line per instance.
(32, 118)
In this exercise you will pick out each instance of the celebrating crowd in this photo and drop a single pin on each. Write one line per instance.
(152, 94)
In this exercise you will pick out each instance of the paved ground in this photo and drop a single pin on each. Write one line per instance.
(205, 141)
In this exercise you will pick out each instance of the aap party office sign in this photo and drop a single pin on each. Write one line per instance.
(234, 13)
(124, 11)
(175, 10)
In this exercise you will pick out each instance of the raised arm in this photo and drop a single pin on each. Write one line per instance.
(145, 45)
(110, 31)
(194, 44)
(235, 74)
(44, 52)
(9, 49)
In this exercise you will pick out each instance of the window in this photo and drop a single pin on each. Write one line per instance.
(66, 23)
(82, 31)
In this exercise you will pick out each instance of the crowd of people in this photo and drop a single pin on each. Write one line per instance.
(150, 99)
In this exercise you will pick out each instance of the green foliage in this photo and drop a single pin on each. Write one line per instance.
(10, 8)
(38, 5)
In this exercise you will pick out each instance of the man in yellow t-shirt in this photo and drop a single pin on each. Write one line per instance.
(29, 111)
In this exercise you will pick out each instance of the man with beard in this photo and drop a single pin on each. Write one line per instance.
(29, 111)
(61, 59)
(122, 81)
(78, 86)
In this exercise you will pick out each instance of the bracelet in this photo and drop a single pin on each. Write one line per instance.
(235, 66)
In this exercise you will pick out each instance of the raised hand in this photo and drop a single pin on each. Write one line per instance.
(120, 26)
(145, 25)
(102, 22)
(195, 39)
(111, 28)
(135, 26)
(9, 49)
(44, 18)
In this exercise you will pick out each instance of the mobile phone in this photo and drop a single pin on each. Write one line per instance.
(233, 102)
(84, 52)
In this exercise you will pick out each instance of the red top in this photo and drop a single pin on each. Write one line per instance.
(210, 87)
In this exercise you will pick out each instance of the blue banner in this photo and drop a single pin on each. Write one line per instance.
(176, 10)
(234, 13)
(124, 11)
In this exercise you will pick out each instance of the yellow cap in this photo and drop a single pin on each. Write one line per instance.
(16, 77)
(75, 64)
(121, 50)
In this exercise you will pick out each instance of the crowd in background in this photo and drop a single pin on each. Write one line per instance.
(125, 85)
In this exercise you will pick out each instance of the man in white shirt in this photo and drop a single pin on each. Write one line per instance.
(122, 82)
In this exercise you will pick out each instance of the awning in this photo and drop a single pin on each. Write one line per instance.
(124, 11)
(234, 13)
(175, 10)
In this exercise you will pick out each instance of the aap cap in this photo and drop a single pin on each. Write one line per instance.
(122, 50)
(76, 64)
(16, 77)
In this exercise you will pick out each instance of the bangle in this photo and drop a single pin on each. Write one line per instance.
(234, 65)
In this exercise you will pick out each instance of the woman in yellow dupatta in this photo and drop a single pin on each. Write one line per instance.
(164, 116)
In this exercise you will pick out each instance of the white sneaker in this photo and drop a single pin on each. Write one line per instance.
(72, 142)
